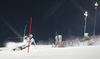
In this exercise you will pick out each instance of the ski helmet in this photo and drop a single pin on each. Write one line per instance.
(25, 36)
(31, 35)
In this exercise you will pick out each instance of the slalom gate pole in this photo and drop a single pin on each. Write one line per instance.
(25, 30)
(95, 41)
(14, 37)
(29, 34)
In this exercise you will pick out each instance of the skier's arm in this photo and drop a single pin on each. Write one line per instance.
(33, 41)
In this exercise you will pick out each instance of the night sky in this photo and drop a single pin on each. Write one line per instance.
(48, 16)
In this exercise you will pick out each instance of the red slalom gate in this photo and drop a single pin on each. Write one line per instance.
(96, 40)
(14, 37)
(29, 34)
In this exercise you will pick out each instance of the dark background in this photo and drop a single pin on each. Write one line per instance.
(48, 16)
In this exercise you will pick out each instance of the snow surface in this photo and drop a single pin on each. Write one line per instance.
(47, 52)
(83, 51)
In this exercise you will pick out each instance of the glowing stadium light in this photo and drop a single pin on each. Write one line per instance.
(86, 14)
(96, 4)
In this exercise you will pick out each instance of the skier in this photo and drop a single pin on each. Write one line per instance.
(56, 41)
(32, 40)
(25, 43)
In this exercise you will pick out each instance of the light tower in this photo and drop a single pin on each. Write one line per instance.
(85, 14)
(96, 5)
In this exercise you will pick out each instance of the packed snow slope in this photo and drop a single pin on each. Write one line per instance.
(47, 52)
(81, 51)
